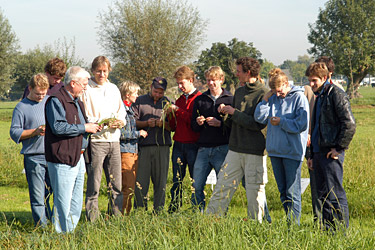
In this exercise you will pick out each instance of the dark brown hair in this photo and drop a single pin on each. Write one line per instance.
(317, 69)
(328, 61)
(249, 64)
(55, 66)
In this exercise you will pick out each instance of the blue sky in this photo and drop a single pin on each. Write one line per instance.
(277, 28)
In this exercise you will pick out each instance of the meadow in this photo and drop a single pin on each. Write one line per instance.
(187, 229)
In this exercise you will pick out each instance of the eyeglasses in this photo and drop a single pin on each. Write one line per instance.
(80, 84)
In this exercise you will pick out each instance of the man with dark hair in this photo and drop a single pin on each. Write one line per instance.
(153, 159)
(185, 147)
(333, 127)
(103, 104)
(66, 135)
(55, 70)
(28, 128)
(331, 69)
(246, 145)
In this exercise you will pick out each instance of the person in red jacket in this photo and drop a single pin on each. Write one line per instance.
(184, 148)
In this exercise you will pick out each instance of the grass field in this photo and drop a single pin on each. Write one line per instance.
(188, 230)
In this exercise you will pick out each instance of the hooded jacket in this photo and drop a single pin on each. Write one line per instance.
(289, 138)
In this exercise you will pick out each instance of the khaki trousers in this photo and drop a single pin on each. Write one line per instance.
(235, 166)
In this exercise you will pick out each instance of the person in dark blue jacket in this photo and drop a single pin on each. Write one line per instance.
(214, 135)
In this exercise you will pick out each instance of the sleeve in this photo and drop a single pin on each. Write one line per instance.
(55, 114)
(247, 120)
(300, 122)
(262, 112)
(135, 108)
(346, 119)
(194, 125)
(16, 127)
(182, 115)
(127, 132)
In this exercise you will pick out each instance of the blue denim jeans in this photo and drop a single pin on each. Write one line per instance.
(67, 183)
(288, 178)
(183, 154)
(39, 188)
(207, 159)
(331, 193)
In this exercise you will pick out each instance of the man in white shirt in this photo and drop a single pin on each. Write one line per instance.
(103, 104)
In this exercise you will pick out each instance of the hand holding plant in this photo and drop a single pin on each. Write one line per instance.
(143, 133)
(201, 120)
(40, 130)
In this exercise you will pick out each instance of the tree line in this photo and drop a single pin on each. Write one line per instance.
(151, 38)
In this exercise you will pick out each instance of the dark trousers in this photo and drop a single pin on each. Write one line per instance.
(183, 154)
(314, 197)
(331, 193)
(153, 163)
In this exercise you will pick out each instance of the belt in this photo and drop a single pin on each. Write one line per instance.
(82, 151)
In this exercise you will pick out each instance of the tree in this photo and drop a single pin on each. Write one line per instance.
(34, 61)
(297, 68)
(267, 66)
(8, 52)
(225, 56)
(345, 31)
(149, 38)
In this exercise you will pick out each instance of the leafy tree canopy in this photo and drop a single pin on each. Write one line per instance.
(34, 60)
(223, 55)
(149, 38)
(8, 52)
(297, 68)
(267, 66)
(345, 31)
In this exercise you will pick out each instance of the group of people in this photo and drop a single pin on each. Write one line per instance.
(88, 124)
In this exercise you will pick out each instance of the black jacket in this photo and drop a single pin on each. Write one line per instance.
(336, 121)
(206, 106)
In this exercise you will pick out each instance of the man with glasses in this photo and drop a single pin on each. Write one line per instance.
(66, 135)
(103, 104)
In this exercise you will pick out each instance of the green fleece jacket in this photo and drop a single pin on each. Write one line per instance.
(246, 135)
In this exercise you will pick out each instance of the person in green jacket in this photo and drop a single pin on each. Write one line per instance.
(246, 145)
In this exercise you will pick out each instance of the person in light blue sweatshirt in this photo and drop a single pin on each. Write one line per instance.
(285, 109)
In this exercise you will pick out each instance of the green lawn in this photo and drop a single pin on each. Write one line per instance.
(187, 230)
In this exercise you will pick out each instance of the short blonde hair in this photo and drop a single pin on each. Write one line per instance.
(128, 87)
(215, 72)
(276, 78)
(39, 80)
